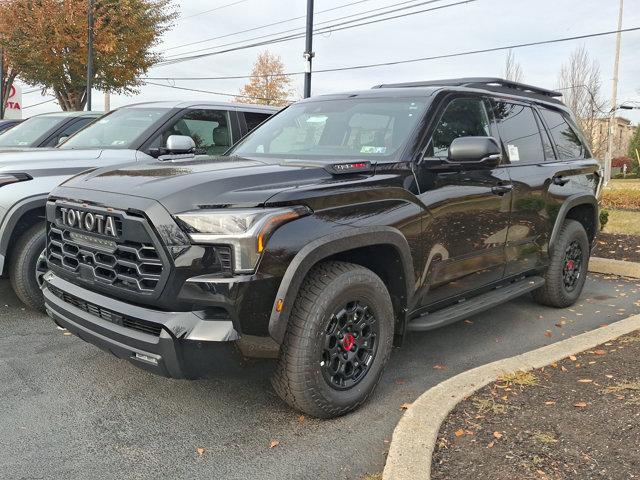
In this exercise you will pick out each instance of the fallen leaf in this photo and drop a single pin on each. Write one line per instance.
(573, 358)
(609, 376)
(459, 433)
(585, 380)
(439, 367)
(600, 352)
(274, 444)
(548, 333)
(580, 404)
(563, 368)
(301, 419)
(550, 402)
(405, 406)
(200, 451)
(497, 435)
(491, 444)
(468, 322)
(67, 334)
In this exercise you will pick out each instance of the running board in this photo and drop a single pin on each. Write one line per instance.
(466, 308)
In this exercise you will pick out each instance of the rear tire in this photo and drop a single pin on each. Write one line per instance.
(338, 340)
(23, 265)
(567, 270)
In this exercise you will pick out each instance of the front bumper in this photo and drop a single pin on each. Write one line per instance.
(172, 344)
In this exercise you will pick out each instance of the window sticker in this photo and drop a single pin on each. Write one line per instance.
(514, 155)
(372, 150)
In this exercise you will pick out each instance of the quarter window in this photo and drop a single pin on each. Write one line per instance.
(253, 119)
(567, 142)
(463, 117)
(519, 133)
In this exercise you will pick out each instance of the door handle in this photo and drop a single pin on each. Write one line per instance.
(560, 181)
(501, 189)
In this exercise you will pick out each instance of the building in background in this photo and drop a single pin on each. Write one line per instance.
(623, 131)
(13, 108)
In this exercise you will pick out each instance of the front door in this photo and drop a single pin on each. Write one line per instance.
(466, 211)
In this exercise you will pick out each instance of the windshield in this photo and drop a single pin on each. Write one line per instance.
(117, 129)
(367, 128)
(26, 133)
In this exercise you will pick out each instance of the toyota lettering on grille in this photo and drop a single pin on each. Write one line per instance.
(90, 222)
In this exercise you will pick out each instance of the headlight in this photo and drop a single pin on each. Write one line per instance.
(246, 229)
(7, 178)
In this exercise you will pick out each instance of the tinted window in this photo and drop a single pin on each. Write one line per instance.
(25, 134)
(549, 154)
(118, 129)
(519, 133)
(254, 119)
(210, 130)
(463, 117)
(567, 142)
(339, 128)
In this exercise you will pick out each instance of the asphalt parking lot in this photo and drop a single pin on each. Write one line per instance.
(70, 410)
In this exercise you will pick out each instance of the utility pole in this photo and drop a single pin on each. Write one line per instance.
(308, 53)
(614, 100)
(89, 54)
(107, 102)
(2, 83)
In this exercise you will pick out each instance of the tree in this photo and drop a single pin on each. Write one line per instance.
(634, 147)
(580, 83)
(512, 68)
(268, 84)
(46, 42)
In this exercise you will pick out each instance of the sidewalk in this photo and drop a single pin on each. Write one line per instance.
(576, 419)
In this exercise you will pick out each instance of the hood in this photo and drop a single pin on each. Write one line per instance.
(185, 185)
(37, 159)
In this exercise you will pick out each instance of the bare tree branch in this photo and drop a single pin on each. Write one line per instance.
(512, 68)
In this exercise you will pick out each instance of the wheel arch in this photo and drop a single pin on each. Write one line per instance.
(19, 219)
(384, 250)
(582, 208)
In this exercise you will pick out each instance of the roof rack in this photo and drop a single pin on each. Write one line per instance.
(477, 82)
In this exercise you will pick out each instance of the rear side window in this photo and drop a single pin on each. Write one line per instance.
(254, 119)
(568, 144)
(519, 133)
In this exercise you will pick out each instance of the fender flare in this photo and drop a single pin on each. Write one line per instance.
(568, 204)
(325, 247)
(11, 219)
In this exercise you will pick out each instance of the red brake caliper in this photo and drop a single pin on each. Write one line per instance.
(348, 341)
(570, 265)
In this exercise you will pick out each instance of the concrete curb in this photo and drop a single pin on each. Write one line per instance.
(614, 267)
(415, 436)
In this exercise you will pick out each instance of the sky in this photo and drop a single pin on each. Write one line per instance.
(478, 24)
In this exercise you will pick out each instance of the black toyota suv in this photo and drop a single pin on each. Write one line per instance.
(337, 227)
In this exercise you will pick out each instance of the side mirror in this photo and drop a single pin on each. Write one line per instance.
(179, 145)
(478, 151)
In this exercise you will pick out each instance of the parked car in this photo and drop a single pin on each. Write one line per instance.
(335, 228)
(137, 133)
(7, 124)
(46, 130)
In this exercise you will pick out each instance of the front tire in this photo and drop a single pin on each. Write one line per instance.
(338, 340)
(24, 264)
(567, 270)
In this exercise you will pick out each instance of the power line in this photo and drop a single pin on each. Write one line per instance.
(267, 25)
(224, 94)
(413, 60)
(330, 28)
(39, 103)
(214, 9)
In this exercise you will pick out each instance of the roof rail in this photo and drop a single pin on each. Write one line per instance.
(478, 82)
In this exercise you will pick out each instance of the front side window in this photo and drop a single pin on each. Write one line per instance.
(26, 133)
(118, 129)
(370, 128)
(568, 144)
(463, 117)
(519, 132)
(209, 129)
(69, 130)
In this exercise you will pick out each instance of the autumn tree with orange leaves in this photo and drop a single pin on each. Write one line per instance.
(45, 42)
(268, 85)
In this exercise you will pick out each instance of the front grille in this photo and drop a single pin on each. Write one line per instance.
(127, 265)
(106, 314)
